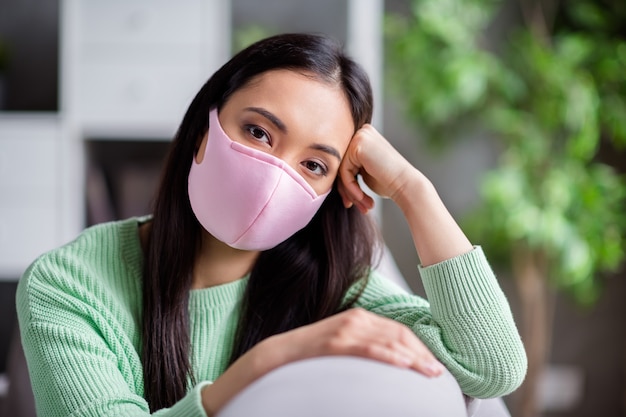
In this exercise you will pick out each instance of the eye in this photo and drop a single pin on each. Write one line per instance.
(316, 168)
(258, 134)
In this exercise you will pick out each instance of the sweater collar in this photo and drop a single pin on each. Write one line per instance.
(219, 295)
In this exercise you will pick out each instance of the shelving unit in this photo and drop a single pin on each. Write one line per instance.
(128, 70)
(29, 185)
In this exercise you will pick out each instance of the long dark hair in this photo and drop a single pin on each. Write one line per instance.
(302, 280)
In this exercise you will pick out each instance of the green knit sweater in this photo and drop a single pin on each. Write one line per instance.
(79, 310)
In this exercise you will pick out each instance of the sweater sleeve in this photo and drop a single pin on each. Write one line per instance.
(78, 362)
(467, 322)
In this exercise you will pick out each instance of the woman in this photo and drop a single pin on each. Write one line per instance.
(259, 254)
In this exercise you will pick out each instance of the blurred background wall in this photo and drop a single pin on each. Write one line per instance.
(587, 376)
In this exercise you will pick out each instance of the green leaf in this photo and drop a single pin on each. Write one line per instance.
(587, 13)
(547, 103)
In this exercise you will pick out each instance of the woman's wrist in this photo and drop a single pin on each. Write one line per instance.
(414, 189)
(251, 366)
(269, 354)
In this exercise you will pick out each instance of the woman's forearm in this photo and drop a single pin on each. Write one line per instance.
(436, 235)
(354, 332)
(251, 366)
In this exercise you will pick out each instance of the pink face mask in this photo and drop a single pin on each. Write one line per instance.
(246, 198)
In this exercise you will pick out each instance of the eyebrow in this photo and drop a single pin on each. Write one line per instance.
(327, 149)
(269, 116)
(283, 128)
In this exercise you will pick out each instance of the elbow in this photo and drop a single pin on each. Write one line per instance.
(499, 376)
(508, 378)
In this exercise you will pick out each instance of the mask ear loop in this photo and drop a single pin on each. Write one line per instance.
(198, 146)
(199, 141)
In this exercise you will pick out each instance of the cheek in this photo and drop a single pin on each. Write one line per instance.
(322, 186)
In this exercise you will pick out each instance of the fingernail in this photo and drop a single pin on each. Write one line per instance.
(434, 368)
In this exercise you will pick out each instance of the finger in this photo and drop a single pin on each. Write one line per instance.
(424, 360)
(361, 333)
(396, 356)
(402, 340)
(365, 204)
(352, 193)
(348, 176)
(347, 202)
(427, 365)
(408, 356)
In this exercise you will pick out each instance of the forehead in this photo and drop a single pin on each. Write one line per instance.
(310, 107)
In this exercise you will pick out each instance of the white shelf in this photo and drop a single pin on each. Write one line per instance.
(29, 184)
(128, 70)
(135, 66)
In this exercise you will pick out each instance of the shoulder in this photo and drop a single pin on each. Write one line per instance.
(95, 264)
(97, 248)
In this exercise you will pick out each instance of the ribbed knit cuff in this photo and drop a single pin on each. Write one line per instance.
(461, 284)
(191, 404)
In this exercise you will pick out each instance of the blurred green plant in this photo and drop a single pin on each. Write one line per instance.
(246, 35)
(551, 91)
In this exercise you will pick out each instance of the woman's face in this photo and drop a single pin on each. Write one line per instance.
(303, 121)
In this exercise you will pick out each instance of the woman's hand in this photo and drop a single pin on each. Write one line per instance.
(381, 166)
(354, 332)
(436, 235)
(357, 332)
